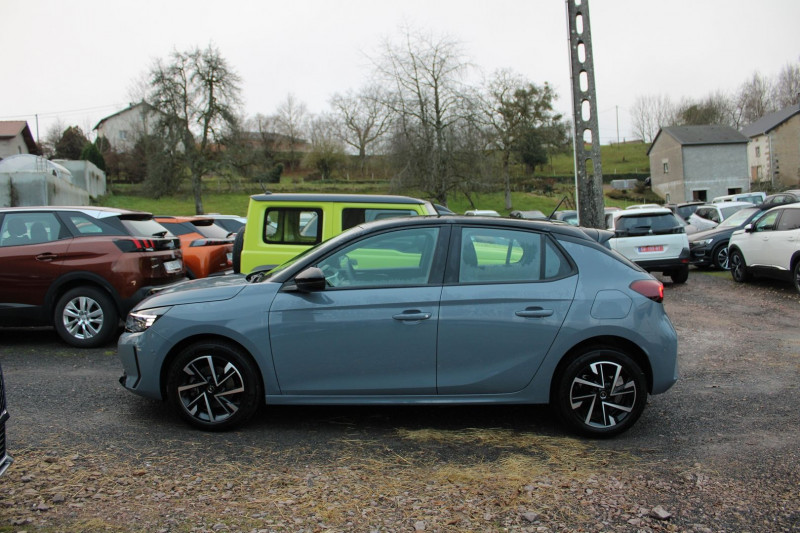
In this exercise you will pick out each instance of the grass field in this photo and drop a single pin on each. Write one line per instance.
(228, 198)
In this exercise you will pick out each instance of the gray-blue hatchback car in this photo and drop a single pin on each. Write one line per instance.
(423, 310)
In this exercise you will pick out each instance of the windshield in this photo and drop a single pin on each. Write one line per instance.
(738, 218)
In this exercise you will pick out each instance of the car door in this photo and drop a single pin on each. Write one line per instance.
(373, 330)
(755, 246)
(31, 260)
(506, 295)
(784, 241)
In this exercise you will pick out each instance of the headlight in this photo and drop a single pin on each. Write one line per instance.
(139, 321)
(704, 242)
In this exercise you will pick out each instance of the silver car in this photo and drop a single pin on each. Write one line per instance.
(422, 310)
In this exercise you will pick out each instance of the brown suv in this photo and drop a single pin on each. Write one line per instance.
(81, 268)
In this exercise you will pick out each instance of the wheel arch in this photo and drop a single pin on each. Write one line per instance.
(794, 260)
(609, 341)
(200, 338)
(79, 279)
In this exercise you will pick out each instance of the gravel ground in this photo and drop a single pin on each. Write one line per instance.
(718, 452)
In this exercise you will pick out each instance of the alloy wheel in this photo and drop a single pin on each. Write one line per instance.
(83, 317)
(211, 389)
(603, 394)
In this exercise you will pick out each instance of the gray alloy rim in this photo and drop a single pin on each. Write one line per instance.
(211, 389)
(603, 394)
(722, 258)
(83, 317)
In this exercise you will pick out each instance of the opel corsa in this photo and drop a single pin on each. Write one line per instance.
(419, 310)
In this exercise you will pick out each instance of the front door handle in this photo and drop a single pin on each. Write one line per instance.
(534, 312)
(412, 316)
(46, 257)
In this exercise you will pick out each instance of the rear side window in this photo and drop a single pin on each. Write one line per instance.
(646, 224)
(30, 228)
(353, 216)
(790, 219)
(490, 255)
(86, 225)
(290, 225)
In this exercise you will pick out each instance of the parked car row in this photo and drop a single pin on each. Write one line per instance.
(81, 269)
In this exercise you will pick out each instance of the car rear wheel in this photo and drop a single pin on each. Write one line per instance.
(680, 274)
(86, 317)
(738, 267)
(796, 276)
(720, 257)
(601, 393)
(214, 386)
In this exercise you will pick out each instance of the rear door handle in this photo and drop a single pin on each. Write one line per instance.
(534, 312)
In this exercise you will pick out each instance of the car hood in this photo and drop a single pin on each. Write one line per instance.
(709, 233)
(209, 289)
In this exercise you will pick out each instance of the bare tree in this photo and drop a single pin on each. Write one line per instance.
(434, 111)
(197, 93)
(753, 99)
(786, 89)
(713, 109)
(650, 113)
(327, 153)
(364, 118)
(292, 121)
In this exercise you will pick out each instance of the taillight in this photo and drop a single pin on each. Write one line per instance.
(135, 245)
(649, 288)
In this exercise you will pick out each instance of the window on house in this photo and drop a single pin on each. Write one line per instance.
(758, 151)
(666, 167)
(123, 134)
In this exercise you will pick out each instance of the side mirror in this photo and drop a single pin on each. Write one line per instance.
(310, 280)
(748, 228)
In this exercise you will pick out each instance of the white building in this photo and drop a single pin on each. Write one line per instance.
(16, 138)
(124, 128)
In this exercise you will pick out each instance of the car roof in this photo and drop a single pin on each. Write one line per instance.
(642, 211)
(94, 211)
(341, 198)
(720, 205)
(551, 226)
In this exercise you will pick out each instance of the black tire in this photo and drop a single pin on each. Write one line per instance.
(796, 276)
(214, 386)
(738, 266)
(238, 244)
(720, 257)
(86, 317)
(601, 393)
(680, 274)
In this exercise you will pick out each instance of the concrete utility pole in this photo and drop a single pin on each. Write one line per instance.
(588, 173)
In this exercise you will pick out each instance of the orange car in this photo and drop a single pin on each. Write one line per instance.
(207, 249)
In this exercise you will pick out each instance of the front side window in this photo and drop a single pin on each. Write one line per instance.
(491, 255)
(767, 222)
(291, 225)
(391, 259)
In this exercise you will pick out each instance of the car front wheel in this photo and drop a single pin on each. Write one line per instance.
(738, 267)
(720, 257)
(601, 393)
(86, 317)
(796, 276)
(214, 386)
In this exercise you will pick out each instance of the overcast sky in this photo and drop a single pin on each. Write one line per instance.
(76, 61)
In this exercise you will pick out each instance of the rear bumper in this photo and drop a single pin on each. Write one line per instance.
(667, 264)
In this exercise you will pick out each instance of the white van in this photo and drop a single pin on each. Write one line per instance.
(755, 197)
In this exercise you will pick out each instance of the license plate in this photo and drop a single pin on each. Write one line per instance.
(173, 266)
(648, 249)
